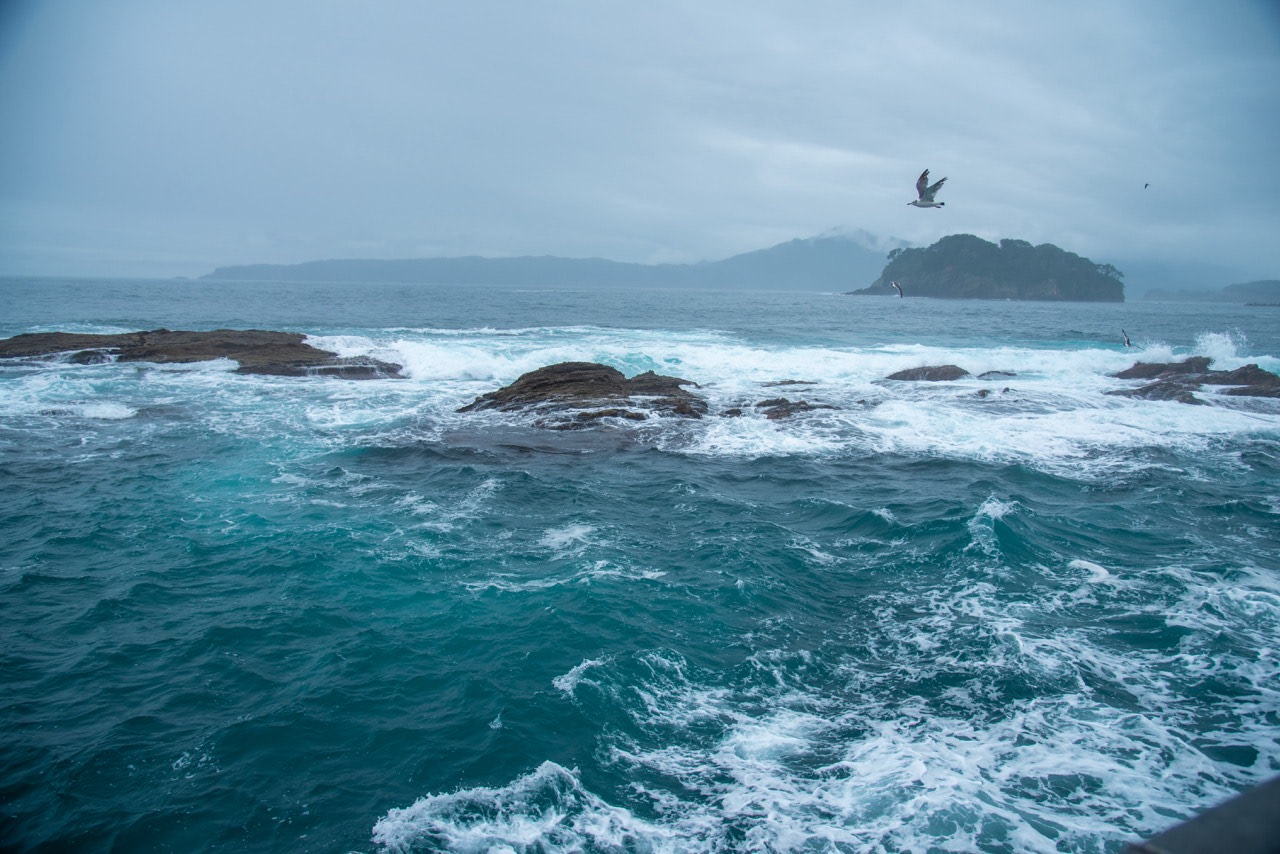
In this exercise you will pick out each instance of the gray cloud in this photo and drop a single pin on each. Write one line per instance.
(159, 138)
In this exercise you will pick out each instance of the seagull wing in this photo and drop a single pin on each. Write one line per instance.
(922, 183)
(928, 194)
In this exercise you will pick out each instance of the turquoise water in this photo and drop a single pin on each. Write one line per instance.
(270, 614)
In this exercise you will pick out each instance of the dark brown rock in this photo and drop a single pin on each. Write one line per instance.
(1260, 390)
(563, 385)
(1151, 370)
(1180, 380)
(661, 385)
(780, 407)
(1249, 375)
(257, 351)
(933, 373)
(577, 385)
(612, 412)
(1163, 390)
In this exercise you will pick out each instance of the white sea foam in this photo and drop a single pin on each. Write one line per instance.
(806, 753)
(1222, 347)
(1052, 414)
(567, 538)
(545, 810)
(1097, 574)
(567, 683)
(107, 411)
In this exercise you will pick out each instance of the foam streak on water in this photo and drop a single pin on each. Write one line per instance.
(1005, 613)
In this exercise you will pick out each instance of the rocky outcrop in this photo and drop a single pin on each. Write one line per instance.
(1179, 381)
(579, 393)
(256, 351)
(932, 373)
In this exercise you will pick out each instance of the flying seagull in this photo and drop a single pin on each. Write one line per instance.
(898, 286)
(926, 193)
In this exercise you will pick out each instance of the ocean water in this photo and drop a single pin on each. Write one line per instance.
(278, 614)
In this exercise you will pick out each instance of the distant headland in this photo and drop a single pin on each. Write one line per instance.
(1262, 292)
(961, 266)
(828, 262)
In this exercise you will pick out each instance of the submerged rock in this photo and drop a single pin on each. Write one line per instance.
(933, 374)
(582, 385)
(1163, 390)
(256, 351)
(780, 407)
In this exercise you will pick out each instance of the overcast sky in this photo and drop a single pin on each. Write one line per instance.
(167, 137)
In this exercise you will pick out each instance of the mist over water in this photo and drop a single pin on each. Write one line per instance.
(1008, 613)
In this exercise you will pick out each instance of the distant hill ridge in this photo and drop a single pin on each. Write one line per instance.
(1262, 291)
(958, 266)
(825, 262)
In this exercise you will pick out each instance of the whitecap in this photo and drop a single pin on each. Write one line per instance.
(559, 539)
(1097, 574)
(567, 683)
(996, 508)
(106, 411)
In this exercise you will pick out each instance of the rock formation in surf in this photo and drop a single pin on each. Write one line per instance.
(930, 373)
(1179, 381)
(578, 393)
(256, 351)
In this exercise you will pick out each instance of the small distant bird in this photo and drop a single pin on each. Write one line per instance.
(926, 193)
(1126, 338)
(898, 286)
(1144, 186)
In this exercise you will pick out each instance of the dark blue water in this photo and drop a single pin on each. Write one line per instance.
(278, 614)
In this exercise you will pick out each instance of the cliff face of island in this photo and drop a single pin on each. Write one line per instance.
(962, 266)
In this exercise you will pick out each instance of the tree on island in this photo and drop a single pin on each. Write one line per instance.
(962, 266)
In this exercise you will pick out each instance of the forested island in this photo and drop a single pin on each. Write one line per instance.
(962, 266)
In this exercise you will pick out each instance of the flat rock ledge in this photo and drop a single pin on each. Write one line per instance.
(1179, 381)
(930, 373)
(577, 394)
(256, 351)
